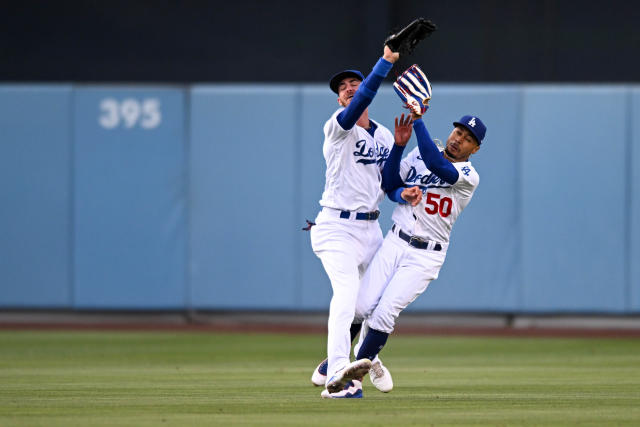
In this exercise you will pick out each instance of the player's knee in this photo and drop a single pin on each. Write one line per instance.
(361, 313)
(384, 323)
(365, 307)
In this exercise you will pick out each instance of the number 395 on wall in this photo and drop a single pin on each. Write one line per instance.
(130, 112)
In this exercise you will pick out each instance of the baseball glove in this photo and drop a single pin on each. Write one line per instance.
(414, 90)
(406, 40)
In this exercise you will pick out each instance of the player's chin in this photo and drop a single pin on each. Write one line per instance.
(454, 153)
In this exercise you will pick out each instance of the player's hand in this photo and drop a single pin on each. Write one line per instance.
(389, 55)
(413, 195)
(403, 130)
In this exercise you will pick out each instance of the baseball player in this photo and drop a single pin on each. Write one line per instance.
(346, 233)
(431, 187)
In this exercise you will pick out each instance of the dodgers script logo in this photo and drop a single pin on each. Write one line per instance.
(428, 181)
(370, 155)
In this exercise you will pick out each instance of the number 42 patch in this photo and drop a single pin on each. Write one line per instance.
(466, 170)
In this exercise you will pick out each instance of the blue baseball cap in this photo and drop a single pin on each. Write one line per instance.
(335, 80)
(474, 125)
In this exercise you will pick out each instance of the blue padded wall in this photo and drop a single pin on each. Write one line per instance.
(633, 191)
(130, 197)
(139, 197)
(35, 173)
(318, 103)
(574, 198)
(244, 213)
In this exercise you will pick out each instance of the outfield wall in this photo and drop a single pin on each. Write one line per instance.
(163, 197)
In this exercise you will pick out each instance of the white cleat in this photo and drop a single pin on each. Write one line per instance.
(319, 377)
(352, 390)
(354, 370)
(380, 376)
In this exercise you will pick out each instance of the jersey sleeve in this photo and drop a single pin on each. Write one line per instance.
(468, 179)
(333, 132)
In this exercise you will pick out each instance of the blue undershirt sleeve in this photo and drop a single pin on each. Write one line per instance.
(367, 90)
(432, 157)
(396, 195)
(391, 181)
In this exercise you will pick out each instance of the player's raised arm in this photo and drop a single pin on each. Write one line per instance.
(431, 155)
(357, 102)
(391, 180)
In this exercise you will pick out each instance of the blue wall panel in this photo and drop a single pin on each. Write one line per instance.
(244, 210)
(130, 198)
(574, 184)
(35, 169)
(633, 189)
(318, 103)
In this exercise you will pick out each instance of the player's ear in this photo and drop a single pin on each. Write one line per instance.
(475, 149)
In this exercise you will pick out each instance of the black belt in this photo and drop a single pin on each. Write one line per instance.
(369, 216)
(416, 242)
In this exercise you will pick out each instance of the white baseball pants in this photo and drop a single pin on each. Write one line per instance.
(345, 247)
(397, 275)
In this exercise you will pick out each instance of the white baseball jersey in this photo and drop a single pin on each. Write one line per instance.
(442, 203)
(354, 166)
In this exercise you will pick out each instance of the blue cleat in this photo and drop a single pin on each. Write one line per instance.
(351, 390)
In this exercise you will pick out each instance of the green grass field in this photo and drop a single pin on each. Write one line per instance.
(191, 379)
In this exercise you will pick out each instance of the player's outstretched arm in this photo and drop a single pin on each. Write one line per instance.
(391, 179)
(392, 183)
(431, 156)
(367, 90)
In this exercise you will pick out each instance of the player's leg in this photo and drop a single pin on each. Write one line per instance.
(342, 270)
(371, 342)
(319, 376)
(375, 243)
(372, 286)
(378, 374)
(417, 270)
(377, 276)
(382, 321)
(341, 250)
(371, 246)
